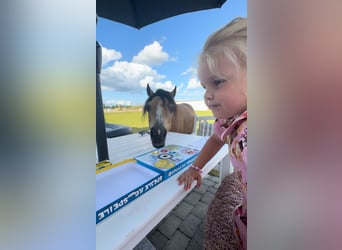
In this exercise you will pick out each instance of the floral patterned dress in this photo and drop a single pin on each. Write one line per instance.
(233, 132)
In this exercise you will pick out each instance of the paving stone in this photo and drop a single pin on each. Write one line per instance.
(212, 190)
(196, 242)
(178, 242)
(183, 209)
(214, 178)
(145, 244)
(208, 182)
(200, 210)
(202, 189)
(190, 225)
(193, 198)
(201, 226)
(183, 227)
(207, 197)
(169, 225)
(157, 239)
(216, 185)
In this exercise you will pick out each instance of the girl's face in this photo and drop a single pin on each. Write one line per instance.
(225, 95)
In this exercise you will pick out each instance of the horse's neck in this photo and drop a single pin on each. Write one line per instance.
(177, 123)
(181, 123)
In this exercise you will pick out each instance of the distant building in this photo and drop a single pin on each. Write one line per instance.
(197, 105)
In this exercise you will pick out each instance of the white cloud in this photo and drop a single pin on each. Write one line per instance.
(146, 80)
(105, 87)
(151, 55)
(180, 86)
(109, 55)
(166, 86)
(132, 77)
(190, 71)
(194, 83)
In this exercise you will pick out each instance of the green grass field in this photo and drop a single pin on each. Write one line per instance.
(135, 120)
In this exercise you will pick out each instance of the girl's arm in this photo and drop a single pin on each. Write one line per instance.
(211, 147)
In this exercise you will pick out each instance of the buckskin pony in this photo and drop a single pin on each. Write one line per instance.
(165, 115)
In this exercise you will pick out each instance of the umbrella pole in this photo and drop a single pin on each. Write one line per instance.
(101, 137)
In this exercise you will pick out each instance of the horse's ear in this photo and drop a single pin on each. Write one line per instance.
(149, 90)
(173, 92)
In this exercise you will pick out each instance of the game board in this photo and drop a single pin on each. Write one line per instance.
(169, 159)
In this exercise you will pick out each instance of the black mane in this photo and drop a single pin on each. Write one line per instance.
(165, 96)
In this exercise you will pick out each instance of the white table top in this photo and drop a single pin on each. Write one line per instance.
(129, 225)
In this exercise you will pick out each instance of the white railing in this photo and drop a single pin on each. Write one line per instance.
(204, 126)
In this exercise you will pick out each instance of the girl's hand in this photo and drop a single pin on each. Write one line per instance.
(188, 177)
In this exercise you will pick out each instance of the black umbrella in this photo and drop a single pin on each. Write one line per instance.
(136, 13)
(139, 13)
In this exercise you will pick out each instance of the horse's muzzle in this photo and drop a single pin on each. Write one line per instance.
(158, 136)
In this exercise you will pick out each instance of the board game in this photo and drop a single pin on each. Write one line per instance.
(169, 159)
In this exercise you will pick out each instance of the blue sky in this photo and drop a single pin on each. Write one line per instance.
(163, 54)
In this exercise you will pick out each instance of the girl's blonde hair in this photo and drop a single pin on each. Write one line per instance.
(230, 42)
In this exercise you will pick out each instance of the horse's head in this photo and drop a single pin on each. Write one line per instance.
(160, 107)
